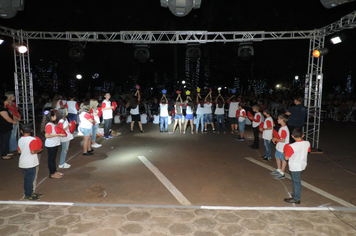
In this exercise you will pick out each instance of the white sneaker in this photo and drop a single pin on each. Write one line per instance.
(64, 166)
(96, 145)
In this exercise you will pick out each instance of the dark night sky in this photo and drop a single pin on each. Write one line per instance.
(273, 60)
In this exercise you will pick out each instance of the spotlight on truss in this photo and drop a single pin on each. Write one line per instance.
(20, 48)
(338, 38)
(193, 52)
(9, 8)
(334, 3)
(245, 51)
(181, 7)
(1, 41)
(141, 53)
(76, 53)
(320, 52)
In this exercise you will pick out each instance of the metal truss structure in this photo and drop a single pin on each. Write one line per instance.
(313, 83)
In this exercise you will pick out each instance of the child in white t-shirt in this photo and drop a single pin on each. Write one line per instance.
(267, 134)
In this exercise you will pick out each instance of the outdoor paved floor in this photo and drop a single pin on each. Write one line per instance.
(49, 220)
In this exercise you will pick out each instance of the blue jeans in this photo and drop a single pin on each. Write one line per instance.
(65, 147)
(200, 119)
(163, 120)
(242, 126)
(218, 119)
(29, 174)
(72, 117)
(93, 134)
(268, 148)
(13, 139)
(107, 127)
(297, 184)
(5, 139)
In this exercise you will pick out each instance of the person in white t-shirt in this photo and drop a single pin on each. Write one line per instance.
(144, 118)
(219, 113)
(64, 124)
(208, 113)
(267, 134)
(72, 107)
(52, 142)
(163, 113)
(96, 113)
(107, 110)
(189, 115)
(135, 111)
(28, 161)
(233, 106)
(156, 118)
(200, 114)
(86, 127)
(241, 118)
(296, 154)
(178, 113)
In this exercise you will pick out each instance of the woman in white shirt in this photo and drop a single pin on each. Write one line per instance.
(189, 115)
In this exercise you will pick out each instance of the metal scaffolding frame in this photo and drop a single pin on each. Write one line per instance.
(314, 77)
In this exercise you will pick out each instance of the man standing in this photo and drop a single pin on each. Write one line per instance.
(296, 115)
(107, 115)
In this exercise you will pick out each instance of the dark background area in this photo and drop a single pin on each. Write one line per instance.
(276, 61)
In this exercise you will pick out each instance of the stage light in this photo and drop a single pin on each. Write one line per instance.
(278, 86)
(142, 54)
(20, 48)
(334, 3)
(245, 51)
(183, 81)
(1, 41)
(320, 52)
(338, 38)
(296, 77)
(79, 76)
(76, 53)
(193, 52)
(181, 7)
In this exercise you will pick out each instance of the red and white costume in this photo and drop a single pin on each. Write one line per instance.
(298, 154)
(54, 141)
(256, 121)
(63, 124)
(283, 133)
(268, 134)
(26, 145)
(72, 107)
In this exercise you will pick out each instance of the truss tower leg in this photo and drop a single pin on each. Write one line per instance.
(23, 83)
(313, 93)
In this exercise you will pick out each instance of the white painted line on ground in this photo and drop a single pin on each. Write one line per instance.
(227, 208)
(175, 192)
(306, 185)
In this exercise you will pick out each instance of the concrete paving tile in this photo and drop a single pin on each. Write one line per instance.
(112, 221)
(158, 222)
(131, 228)
(316, 219)
(205, 223)
(51, 214)
(272, 218)
(95, 214)
(102, 232)
(78, 209)
(7, 230)
(180, 229)
(119, 210)
(2, 221)
(291, 214)
(231, 230)
(68, 220)
(248, 214)
(36, 208)
(35, 225)
(259, 234)
(205, 233)
(22, 219)
(162, 211)
(6, 212)
(182, 216)
(253, 224)
(328, 230)
(301, 225)
(138, 216)
(83, 227)
(203, 212)
(280, 230)
(227, 217)
(338, 224)
(53, 231)
(158, 233)
(309, 233)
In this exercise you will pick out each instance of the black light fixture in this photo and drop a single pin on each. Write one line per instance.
(334, 3)
(181, 7)
(245, 51)
(338, 38)
(141, 53)
(193, 52)
(320, 52)
(76, 53)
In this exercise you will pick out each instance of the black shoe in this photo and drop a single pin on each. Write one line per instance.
(255, 148)
(37, 195)
(266, 159)
(88, 154)
(31, 198)
(161, 131)
(90, 151)
(291, 200)
(263, 157)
